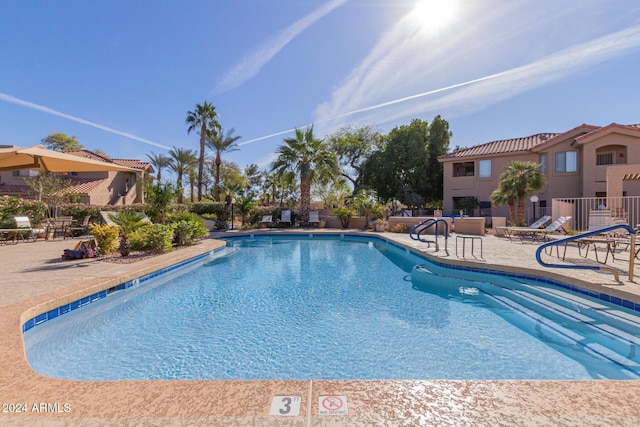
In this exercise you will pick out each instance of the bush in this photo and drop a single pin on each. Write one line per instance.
(344, 214)
(156, 238)
(14, 206)
(79, 210)
(106, 237)
(400, 228)
(214, 208)
(187, 227)
(159, 238)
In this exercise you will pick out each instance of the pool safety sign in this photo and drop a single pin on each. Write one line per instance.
(332, 405)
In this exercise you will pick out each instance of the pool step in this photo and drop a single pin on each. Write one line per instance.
(553, 332)
(591, 330)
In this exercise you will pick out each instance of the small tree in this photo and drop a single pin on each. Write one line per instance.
(52, 189)
(128, 222)
(60, 142)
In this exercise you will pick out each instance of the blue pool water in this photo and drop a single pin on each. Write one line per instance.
(336, 308)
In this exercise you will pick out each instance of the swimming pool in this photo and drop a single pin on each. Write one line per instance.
(336, 307)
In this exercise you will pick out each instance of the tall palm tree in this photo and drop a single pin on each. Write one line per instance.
(308, 158)
(520, 180)
(203, 117)
(181, 160)
(159, 162)
(220, 143)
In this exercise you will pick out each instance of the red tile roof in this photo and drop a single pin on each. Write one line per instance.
(501, 146)
(132, 163)
(87, 185)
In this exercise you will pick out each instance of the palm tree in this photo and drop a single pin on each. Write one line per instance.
(309, 158)
(181, 160)
(159, 162)
(128, 222)
(203, 117)
(502, 197)
(220, 143)
(518, 181)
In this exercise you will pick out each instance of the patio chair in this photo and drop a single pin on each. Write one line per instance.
(599, 218)
(82, 229)
(285, 216)
(530, 231)
(267, 219)
(314, 218)
(60, 226)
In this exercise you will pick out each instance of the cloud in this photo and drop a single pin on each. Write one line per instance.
(252, 63)
(42, 108)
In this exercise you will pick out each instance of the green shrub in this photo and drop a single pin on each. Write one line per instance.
(187, 228)
(159, 238)
(202, 208)
(344, 214)
(106, 236)
(14, 206)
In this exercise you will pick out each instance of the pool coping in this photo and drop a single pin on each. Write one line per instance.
(237, 402)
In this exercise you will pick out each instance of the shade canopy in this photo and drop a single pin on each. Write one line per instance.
(41, 159)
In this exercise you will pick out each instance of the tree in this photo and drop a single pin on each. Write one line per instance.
(406, 167)
(52, 189)
(220, 143)
(60, 142)
(518, 181)
(310, 159)
(181, 160)
(159, 162)
(353, 146)
(128, 222)
(201, 119)
(159, 201)
(254, 180)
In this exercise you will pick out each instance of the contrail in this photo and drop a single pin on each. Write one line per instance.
(252, 63)
(272, 135)
(384, 104)
(18, 101)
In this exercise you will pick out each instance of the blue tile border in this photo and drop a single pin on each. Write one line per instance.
(67, 308)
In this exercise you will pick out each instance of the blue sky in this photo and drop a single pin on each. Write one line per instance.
(121, 75)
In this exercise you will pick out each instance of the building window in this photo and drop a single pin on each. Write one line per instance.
(463, 169)
(566, 161)
(484, 167)
(543, 162)
(485, 209)
(604, 159)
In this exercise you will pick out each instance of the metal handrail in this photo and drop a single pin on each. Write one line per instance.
(568, 239)
(424, 225)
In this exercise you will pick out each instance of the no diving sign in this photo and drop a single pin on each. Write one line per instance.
(332, 405)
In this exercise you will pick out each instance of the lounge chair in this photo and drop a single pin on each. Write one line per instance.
(529, 231)
(267, 219)
(314, 218)
(285, 216)
(23, 227)
(599, 218)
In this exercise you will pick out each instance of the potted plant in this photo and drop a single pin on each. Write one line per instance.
(380, 224)
(344, 214)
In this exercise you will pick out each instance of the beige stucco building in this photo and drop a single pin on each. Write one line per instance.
(94, 188)
(576, 164)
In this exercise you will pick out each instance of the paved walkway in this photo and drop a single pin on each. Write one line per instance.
(33, 275)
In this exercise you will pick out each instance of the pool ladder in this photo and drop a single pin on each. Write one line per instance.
(417, 230)
(565, 240)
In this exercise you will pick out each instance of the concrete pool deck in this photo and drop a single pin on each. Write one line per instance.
(33, 279)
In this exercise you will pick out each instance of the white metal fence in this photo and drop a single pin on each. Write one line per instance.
(623, 209)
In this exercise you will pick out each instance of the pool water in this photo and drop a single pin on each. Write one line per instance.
(336, 308)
